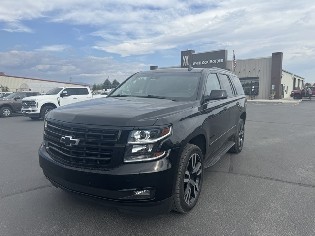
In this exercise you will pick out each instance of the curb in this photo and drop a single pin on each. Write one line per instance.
(275, 101)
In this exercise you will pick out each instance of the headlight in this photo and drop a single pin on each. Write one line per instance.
(143, 144)
(149, 136)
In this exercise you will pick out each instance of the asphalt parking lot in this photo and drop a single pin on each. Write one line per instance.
(268, 189)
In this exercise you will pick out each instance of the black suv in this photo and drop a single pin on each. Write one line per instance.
(13, 103)
(146, 145)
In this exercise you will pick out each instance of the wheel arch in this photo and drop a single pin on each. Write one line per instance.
(48, 104)
(6, 105)
(243, 116)
(200, 141)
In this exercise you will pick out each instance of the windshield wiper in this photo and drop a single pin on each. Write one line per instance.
(158, 97)
(120, 95)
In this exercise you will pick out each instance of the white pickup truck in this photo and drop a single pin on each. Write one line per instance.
(36, 107)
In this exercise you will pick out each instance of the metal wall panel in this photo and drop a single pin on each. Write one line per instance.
(18, 83)
(258, 67)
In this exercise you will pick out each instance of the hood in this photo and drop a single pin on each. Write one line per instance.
(129, 111)
(3, 100)
(40, 97)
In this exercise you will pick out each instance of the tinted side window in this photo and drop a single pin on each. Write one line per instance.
(31, 94)
(238, 85)
(225, 84)
(212, 83)
(77, 91)
(21, 95)
(82, 91)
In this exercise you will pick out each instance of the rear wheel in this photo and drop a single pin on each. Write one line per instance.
(239, 137)
(5, 111)
(45, 110)
(189, 179)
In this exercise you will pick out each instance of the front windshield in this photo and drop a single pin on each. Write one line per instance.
(54, 91)
(173, 86)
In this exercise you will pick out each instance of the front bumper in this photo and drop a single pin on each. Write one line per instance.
(116, 186)
(31, 112)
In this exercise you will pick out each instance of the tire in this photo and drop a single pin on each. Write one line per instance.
(45, 110)
(238, 138)
(189, 179)
(5, 112)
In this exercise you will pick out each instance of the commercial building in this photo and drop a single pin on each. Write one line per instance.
(15, 84)
(262, 78)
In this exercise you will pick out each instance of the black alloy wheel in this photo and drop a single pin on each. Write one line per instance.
(192, 179)
(239, 137)
(189, 179)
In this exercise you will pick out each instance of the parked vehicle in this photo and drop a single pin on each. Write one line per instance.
(37, 107)
(300, 93)
(13, 103)
(4, 94)
(146, 145)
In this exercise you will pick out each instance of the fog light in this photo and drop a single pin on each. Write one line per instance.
(140, 194)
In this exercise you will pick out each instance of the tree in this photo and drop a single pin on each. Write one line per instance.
(307, 84)
(4, 88)
(107, 84)
(115, 83)
(94, 88)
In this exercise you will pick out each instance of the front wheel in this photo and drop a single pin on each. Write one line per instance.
(189, 179)
(239, 137)
(5, 111)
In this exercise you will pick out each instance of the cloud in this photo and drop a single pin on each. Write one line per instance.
(53, 48)
(16, 27)
(43, 64)
(142, 27)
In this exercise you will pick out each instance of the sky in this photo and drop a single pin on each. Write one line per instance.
(90, 41)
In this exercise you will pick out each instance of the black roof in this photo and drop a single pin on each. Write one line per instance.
(198, 70)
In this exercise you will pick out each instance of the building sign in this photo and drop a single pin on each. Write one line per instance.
(204, 60)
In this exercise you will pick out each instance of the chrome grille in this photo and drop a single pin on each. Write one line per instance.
(95, 149)
(27, 104)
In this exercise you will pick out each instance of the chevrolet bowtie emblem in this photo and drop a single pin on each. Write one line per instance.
(69, 141)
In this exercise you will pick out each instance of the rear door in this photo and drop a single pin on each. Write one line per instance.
(217, 115)
(231, 105)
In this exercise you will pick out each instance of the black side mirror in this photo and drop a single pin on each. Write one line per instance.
(216, 95)
(17, 98)
(64, 95)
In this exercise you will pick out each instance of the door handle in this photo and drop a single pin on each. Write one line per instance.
(74, 98)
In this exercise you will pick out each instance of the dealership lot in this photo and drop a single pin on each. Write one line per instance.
(268, 189)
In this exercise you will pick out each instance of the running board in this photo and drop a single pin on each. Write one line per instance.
(218, 154)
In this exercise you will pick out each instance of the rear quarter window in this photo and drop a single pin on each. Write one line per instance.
(226, 85)
(237, 84)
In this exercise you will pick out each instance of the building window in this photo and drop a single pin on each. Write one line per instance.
(250, 86)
